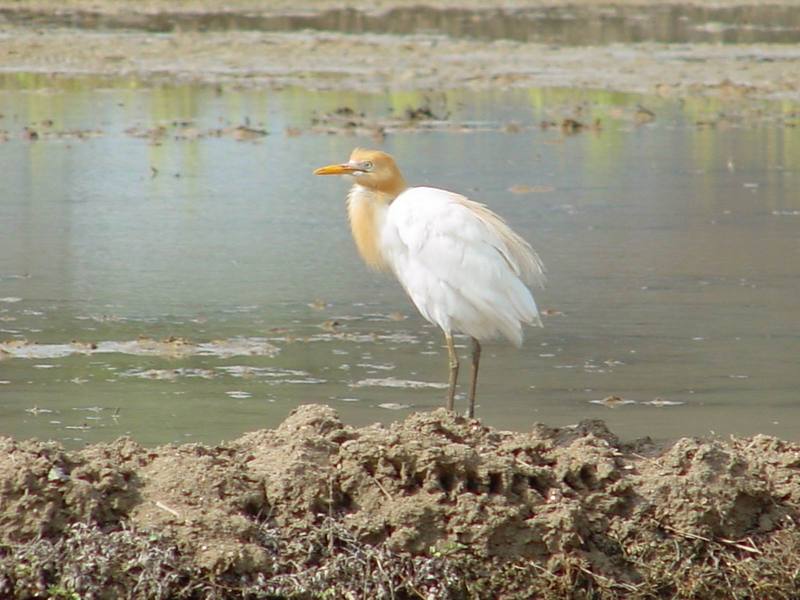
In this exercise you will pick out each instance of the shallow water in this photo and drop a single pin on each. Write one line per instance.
(168, 272)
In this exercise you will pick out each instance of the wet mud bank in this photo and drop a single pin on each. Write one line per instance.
(435, 506)
(729, 50)
(586, 23)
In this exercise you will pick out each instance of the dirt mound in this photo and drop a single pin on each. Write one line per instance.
(436, 506)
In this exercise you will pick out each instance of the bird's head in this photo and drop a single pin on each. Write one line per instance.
(372, 169)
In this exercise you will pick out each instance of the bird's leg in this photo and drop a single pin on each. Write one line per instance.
(476, 359)
(451, 351)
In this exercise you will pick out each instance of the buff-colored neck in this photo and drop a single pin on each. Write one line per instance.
(366, 209)
(385, 189)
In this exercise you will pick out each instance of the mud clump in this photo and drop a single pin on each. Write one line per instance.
(436, 506)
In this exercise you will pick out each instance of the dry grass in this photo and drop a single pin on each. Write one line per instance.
(329, 562)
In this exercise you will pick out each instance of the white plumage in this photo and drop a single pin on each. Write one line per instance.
(463, 268)
(458, 269)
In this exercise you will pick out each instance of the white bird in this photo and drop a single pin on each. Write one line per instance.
(463, 268)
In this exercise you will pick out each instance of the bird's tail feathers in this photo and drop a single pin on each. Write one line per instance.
(519, 254)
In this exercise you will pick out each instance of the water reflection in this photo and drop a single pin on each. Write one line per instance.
(569, 25)
(672, 246)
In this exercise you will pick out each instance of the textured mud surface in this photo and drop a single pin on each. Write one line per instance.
(376, 46)
(436, 506)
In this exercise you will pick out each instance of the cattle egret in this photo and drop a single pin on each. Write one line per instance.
(463, 268)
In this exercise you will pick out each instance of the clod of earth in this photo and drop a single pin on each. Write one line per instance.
(435, 506)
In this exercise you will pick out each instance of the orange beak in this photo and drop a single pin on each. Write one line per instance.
(343, 169)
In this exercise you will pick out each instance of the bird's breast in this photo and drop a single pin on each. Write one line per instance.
(367, 214)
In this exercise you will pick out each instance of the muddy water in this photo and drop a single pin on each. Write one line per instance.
(170, 269)
(569, 25)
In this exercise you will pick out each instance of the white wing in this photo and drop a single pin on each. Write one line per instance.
(462, 266)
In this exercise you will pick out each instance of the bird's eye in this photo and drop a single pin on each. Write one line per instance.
(367, 164)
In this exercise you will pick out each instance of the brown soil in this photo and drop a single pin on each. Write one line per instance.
(436, 506)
